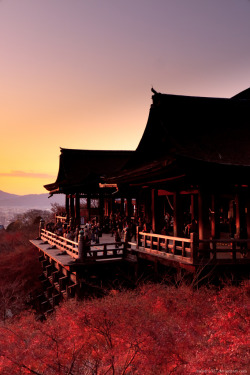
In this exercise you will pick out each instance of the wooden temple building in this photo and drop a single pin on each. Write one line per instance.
(192, 164)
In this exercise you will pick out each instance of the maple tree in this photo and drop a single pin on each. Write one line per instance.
(155, 329)
(19, 271)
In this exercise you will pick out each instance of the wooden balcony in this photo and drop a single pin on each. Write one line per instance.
(189, 253)
(105, 251)
(192, 251)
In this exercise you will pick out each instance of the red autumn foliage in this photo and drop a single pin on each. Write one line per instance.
(19, 271)
(156, 329)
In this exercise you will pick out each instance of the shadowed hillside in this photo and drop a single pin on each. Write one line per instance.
(30, 200)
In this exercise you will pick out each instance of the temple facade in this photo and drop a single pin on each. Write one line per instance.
(186, 188)
(192, 163)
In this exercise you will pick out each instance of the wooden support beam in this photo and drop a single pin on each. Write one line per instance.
(101, 208)
(178, 216)
(156, 219)
(240, 221)
(248, 219)
(72, 208)
(77, 209)
(89, 207)
(122, 206)
(215, 217)
(67, 207)
(204, 201)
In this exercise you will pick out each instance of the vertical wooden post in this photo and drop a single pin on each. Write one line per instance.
(122, 206)
(77, 209)
(215, 218)
(72, 208)
(101, 208)
(67, 207)
(237, 218)
(106, 207)
(241, 224)
(112, 206)
(192, 207)
(129, 212)
(81, 247)
(178, 216)
(194, 247)
(155, 211)
(248, 220)
(204, 224)
(89, 207)
(137, 237)
(41, 226)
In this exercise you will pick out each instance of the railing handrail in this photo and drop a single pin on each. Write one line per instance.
(56, 236)
(226, 240)
(72, 247)
(61, 218)
(182, 239)
(192, 249)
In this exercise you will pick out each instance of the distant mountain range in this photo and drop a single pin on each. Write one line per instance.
(39, 201)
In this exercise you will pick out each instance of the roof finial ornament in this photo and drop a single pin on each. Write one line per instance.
(153, 90)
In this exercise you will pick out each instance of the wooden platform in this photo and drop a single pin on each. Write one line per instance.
(67, 261)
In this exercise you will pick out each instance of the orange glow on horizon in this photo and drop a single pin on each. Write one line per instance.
(79, 75)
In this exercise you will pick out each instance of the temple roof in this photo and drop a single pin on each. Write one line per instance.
(184, 135)
(188, 130)
(83, 170)
(211, 129)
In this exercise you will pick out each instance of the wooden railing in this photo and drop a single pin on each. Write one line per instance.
(61, 243)
(93, 252)
(62, 219)
(175, 248)
(193, 250)
(186, 250)
(227, 249)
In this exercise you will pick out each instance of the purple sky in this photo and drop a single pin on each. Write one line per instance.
(78, 73)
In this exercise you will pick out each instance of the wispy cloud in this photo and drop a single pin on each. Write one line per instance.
(26, 174)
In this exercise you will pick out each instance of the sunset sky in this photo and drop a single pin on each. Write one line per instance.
(78, 73)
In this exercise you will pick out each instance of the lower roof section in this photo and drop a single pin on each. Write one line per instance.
(83, 170)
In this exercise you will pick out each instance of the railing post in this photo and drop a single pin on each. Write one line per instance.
(137, 237)
(41, 226)
(234, 245)
(125, 249)
(194, 246)
(81, 247)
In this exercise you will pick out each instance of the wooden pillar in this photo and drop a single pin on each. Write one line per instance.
(77, 209)
(194, 206)
(89, 207)
(67, 207)
(215, 217)
(130, 211)
(106, 207)
(156, 224)
(101, 208)
(248, 219)
(178, 216)
(113, 206)
(72, 208)
(204, 202)
(122, 207)
(146, 203)
(240, 220)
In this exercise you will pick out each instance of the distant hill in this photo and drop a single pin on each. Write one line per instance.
(39, 201)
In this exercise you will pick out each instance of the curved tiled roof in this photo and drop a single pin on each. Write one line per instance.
(84, 169)
(190, 135)
(211, 129)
